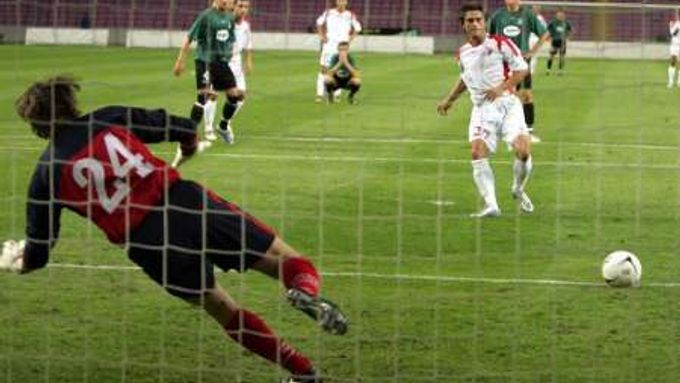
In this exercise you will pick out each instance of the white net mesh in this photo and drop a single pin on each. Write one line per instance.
(378, 195)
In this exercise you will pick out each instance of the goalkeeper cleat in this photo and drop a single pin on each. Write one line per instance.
(525, 203)
(326, 313)
(534, 138)
(312, 377)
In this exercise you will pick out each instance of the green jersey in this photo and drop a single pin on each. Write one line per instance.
(342, 72)
(559, 30)
(517, 26)
(214, 34)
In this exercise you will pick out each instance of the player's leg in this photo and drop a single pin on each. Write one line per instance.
(210, 110)
(202, 88)
(674, 51)
(515, 133)
(330, 85)
(527, 97)
(354, 85)
(553, 52)
(482, 139)
(324, 59)
(238, 241)
(223, 79)
(240, 76)
(563, 54)
(303, 284)
(250, 331)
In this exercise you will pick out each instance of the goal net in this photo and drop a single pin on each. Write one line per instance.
(377, 194)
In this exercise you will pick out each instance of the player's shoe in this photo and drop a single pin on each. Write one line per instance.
(525, 203)
(487, 212)
(351, 100)
(313, 378)
(326, 313)
(227, 133)
(210, 135)
(318, 99)
(534, 138)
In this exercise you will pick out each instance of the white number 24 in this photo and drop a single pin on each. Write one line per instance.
(114, 148)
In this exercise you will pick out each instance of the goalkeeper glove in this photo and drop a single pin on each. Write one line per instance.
(12, 257)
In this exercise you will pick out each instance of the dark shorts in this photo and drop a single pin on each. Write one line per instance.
(219, 75)
(341, 82)
(558, 46)
(527, 82)
(178, 246)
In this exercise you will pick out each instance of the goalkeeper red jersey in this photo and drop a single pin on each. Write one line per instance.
(99, 167)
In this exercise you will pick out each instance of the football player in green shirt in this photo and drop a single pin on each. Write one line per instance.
(559, 29)
(342, 73)
(213, 31)
(517, 22)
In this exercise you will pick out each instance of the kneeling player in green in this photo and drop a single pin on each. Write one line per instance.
(343, 74)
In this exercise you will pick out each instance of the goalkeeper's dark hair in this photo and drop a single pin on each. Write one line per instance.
(45, 103)
(468, 8)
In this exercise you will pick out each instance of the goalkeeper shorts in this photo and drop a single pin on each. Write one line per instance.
(178, 245)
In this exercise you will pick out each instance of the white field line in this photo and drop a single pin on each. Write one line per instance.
(312, 158)
(404, 277)
(277, 138)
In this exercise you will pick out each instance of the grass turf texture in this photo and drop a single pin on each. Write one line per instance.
(355, 188)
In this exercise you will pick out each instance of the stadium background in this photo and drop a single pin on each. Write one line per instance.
(378, 196)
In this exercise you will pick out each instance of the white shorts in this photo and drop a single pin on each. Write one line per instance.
(239, 75)
(674, 50)
(503, 118)
(327, 51)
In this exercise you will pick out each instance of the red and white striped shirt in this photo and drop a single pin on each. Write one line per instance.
(488, 64)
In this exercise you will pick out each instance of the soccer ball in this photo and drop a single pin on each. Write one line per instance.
(622, 269)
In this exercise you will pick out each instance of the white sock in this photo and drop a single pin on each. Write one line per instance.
(320, 86)
(484, 179)
(337, 93)
(209, 115)
(521, 170)
(671, 75)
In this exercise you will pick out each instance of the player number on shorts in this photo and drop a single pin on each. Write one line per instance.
(115, 150)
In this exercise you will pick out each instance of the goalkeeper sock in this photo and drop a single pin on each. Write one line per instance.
(209, 109)
(484, 180)
(301, 274)
(550, 61)
(529, 115)
(251, 332)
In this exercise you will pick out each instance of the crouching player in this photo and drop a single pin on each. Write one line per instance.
(342, 74)
(98, 166)
(491, 66)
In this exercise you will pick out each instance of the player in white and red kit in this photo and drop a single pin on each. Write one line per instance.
(674, 31)
(97, 165)
(491, 66)
(334, 26)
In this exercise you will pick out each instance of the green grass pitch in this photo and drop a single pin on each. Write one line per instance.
(378, 196)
